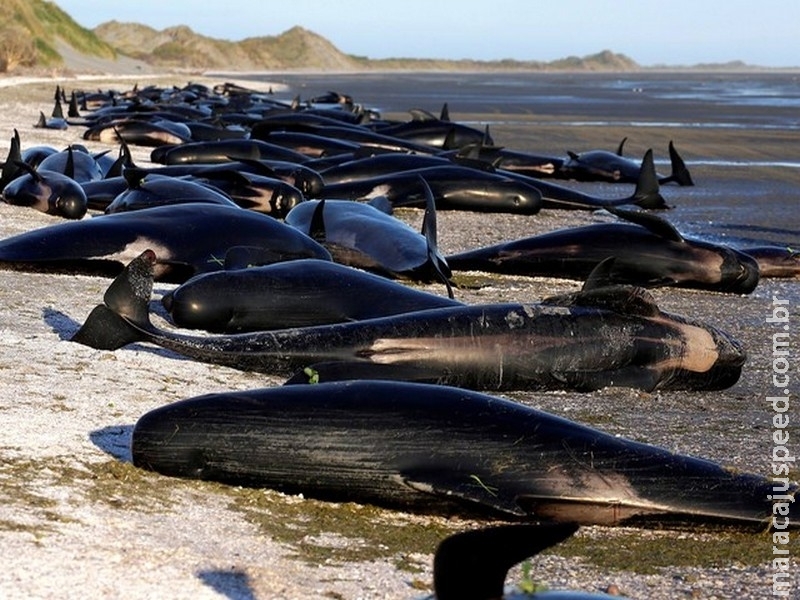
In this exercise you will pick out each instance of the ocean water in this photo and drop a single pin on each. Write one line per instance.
(742, 197)
(752, 100)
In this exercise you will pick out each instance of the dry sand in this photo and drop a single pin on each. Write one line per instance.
(77, 520)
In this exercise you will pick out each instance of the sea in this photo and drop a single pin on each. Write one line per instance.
(718, 100)
(748, 184)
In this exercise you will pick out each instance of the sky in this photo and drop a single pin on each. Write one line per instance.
(651, 32)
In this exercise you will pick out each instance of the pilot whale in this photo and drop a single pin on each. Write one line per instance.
(610, 336)
(192, 238)
(296, 293)
(437, 449)
(647, 251)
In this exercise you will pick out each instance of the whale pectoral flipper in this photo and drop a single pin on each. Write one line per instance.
(653, 223)
(616, 271)
(470, 489)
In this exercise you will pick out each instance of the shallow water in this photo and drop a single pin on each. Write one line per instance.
(736, 131)
(738, 99)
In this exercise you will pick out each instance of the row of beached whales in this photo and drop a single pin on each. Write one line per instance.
(253, 214)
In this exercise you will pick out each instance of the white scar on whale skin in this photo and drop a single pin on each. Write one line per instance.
(377, 191)
(139, 245)
(467, 350)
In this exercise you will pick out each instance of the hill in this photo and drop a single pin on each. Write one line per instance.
(298, 48)
(37, 34)
(33, 31)
(180, 47)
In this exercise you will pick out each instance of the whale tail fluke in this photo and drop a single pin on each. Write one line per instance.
(105, 330)
(124, 315)
(647, 193)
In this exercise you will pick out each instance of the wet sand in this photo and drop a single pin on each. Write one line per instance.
(75, 517)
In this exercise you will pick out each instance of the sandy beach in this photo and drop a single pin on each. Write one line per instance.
(77, 519)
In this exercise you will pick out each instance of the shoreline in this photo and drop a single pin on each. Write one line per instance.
(106, 69)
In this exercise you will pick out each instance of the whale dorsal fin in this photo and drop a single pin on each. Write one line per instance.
(69, 167)
(72, 109)
(601, 276)
(28, 169)
(621, 144)
(58, 112)
(420, 114)
(450, 140)
(445, 114)
(316, 229)
(10, 169)
(624, 299)
(680, 173)
(435, 258)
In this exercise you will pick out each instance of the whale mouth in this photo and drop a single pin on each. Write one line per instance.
(711, 340)
(711, 358)
(731, 350)
(740, 271)
(727, 369)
